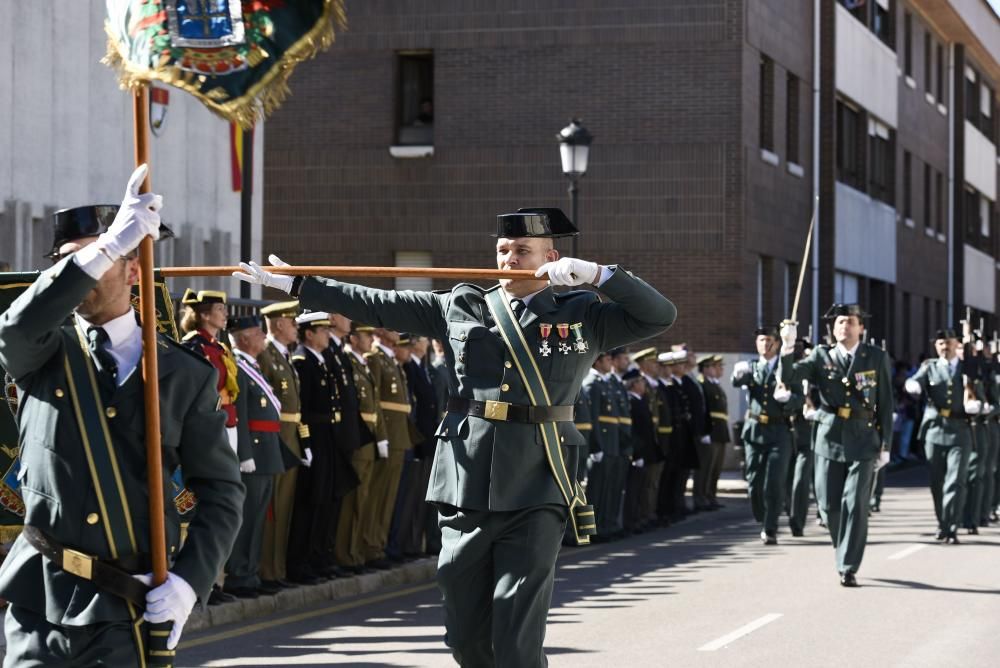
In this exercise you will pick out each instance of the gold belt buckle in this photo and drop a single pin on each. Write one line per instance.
(78, 563)
(945, 412)
(763, 419)
(496, 410)
(844, 412)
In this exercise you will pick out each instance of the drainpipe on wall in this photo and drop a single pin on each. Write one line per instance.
(951, 185)
(815, 173)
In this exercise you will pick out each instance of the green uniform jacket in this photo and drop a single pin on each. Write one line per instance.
(368, 403)
(717, 407)
(280, 373)
(760, 382)
(57, 487)
(391, 383)
(603, 415)
(481, 464)
(943, 391)
(867, 386)
(264, 447)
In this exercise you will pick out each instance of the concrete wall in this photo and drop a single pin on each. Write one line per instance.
(866, 68)
(866, 235)
(980, 162)
(66, 140)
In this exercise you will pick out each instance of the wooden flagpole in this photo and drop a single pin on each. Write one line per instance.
(361, 272)
(802, 267)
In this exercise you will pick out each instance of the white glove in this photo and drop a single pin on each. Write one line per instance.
(253, 273)
(308, 459)
(988, 408)
(883, 459)
(912, 387)
(248, 466)
(706, 439)
(597, 457)
(782, 394)
(973, 407)
(639, 463)
(383, 449)
(789, 332)
(741, 368)
(171, 601)
(137, 219)
(570, 271)
(809, 413)
(233, 437)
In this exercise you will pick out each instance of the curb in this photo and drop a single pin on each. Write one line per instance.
(303, 596)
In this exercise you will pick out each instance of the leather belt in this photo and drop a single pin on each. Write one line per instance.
(953, 415)
(665, 430)
(270, 426)
(313, 418)
(848, 413)
(291, 417)
(502, 411)
(607, 419)
(394, 406)
(624, 420)
(370, 417)
(764, 418)
(104, 575)
(583, 426)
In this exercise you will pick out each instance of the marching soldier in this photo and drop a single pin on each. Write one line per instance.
(655, 460)
(604, 447)
(390, 382)
(991, 381)
(767, 432)
(971, 354)
(503, 506)
(72, 339)
(945, 430)
(277, 369)
(259, 450)
(350, 548)
(801, 468)
(712, 454)
(854, 430)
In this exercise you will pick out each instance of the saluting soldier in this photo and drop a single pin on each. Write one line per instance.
(204, 316)
(712, 453)
(259, 450)
(854, 430)
(603, 447)
(390, 381)
(350, 548)
(276, 367)
(767, 431)
(72, 340)
(502, 509)
(945, 430)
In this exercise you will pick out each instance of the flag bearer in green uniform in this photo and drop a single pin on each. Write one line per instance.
(500, 479)
(945, 430)
(854, 430)
(72, 344)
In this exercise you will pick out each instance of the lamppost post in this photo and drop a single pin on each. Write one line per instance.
(574, 150)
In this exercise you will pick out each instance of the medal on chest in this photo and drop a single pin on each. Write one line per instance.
(580, 344)
(263, 402)
(393, 388)
(564, 346)
(284, 385)
(544, 330)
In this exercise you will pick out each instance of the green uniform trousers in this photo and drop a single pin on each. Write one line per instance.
(989, 458)
(348, 548)
(277, 524)
(702, 491)
(949, 470)
(767, 467)
(651, 474)
(33, 641)
(802, 480)
(386, 474)
(718, 459)
(496, 572)
(843, 490)
(604, 490)
(243, 567)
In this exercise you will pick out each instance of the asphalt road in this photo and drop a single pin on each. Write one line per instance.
(704, 593)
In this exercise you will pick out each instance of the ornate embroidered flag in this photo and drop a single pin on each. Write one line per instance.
(233, 55)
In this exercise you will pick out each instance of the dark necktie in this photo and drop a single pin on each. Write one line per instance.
(847, 362)
(106, 365)
(517, 306)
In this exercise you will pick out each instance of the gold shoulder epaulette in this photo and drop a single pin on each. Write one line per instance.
(370, 354)
(298, 357)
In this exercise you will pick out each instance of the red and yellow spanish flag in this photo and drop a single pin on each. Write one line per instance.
(236, 134)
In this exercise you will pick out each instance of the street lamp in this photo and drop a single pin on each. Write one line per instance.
(574, 149)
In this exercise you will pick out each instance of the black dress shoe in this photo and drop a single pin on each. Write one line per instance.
(876, 508)
(304, 579)
(848, 580)
(768, 538)
(951, 539)
(973, 531)
(379, 564)
(797, 533)
(281, 584)
(242, 592)
(268, 590)
(941, 535)
(218, 597)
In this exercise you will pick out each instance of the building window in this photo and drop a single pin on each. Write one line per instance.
(928, 62)
(908, 44)
(940, 73)
(881, 149)
(792, 118)
(984, 217)
(845, 288)
(907, 185)
(907, 323)
(875, 15)
(940, 200)
(766, 103)
(415, 99)
(850, 146)
(927, 197)
(972, 96)
(421, 259)
(973, 225)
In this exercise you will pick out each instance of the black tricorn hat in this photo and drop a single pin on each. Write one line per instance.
(239, 323)
(766, 331)
(838, 310)
(945, 334)
(535, 222)
(86, 221)
(631, 373)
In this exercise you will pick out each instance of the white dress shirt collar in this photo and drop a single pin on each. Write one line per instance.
(124, 341)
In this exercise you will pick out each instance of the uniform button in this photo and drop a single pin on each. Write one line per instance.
(461, 337)
(504, 387)
(173, 548)
(506, 364)
(111, 411)
(59, 393)
(256, 440)
(92, 518)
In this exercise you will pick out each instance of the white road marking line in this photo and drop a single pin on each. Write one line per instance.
(740, 632)
(907, 552)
